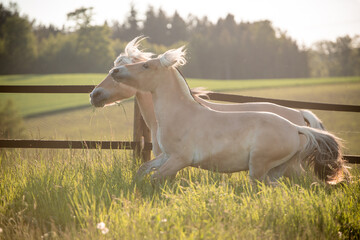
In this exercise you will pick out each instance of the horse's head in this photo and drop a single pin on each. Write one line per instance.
(148, 74)
(108, 91)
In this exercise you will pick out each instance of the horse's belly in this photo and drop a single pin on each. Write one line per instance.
(224, 162)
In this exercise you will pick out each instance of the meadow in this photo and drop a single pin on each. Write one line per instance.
(65, 194)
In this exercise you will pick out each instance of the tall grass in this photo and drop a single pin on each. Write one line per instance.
(64, 194)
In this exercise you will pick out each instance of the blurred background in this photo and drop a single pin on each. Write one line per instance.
(230, 40)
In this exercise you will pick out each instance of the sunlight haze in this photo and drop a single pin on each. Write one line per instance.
(305, 21)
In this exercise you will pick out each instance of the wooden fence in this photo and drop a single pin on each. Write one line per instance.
(141, 143)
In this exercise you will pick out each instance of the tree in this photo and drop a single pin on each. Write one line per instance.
(150, 23)
(42, 32)
(4, 15)
(93, 49)
(177, 29)
(17, 45)
(81, 16)
(224, 50)
(156, 26)
(344, 54)
(57, 54)
(339, 58)
(131, 26)
(117, 30)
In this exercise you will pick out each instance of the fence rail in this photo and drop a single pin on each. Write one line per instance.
(86, 144)
(289, 103)
(212, 96)
(141, 143)
(47, 89)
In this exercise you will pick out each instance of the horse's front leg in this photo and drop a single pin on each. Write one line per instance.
(169, 169)
(150, 166)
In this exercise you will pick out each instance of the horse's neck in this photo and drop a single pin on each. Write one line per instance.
(172, 97)
(146, 107)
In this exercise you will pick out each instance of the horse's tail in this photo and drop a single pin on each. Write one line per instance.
(323, 151)
(312, 119)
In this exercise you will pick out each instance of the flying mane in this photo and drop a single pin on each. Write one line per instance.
(132, 53)
(173, 58)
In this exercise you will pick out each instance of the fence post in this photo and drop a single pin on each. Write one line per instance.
(141, 134)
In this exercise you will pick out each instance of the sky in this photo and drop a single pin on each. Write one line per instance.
(306, 21)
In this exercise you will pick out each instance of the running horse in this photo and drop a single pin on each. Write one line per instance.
(191, 134)
(109, 92)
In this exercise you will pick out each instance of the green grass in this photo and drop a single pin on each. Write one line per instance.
(30, 104)
(52, 79)
(63, 194)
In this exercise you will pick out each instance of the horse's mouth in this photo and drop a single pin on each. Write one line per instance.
(97, 103)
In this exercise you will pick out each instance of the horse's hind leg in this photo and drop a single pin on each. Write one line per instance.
(294, 168)
(267, 167)
(269, 176)
(277, 172)
(257, 171)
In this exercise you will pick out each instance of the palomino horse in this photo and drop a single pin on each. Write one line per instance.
(108, 92)
(190, 134)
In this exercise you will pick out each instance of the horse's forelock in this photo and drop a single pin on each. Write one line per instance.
(132, 50)
(173, 57)
(122, 60)
(132, 53)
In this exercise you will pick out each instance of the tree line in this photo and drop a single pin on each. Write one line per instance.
(224, 50)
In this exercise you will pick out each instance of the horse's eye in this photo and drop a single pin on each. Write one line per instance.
(145, 65)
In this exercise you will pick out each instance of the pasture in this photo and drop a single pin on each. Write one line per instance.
(64, 194)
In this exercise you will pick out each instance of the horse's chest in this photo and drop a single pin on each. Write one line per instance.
(171, 138)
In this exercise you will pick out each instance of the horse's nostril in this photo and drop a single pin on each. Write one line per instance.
(115, 70)
(95, 94)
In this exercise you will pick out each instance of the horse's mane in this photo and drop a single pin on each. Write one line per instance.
(132, 52)
(175, 58)
(191, 93)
